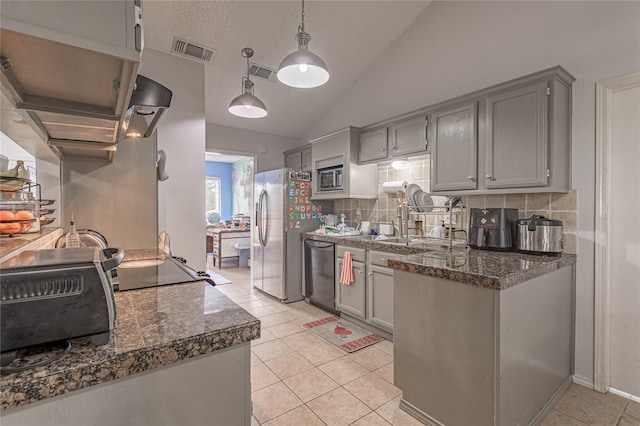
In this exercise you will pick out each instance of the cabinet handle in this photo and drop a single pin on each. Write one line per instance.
(370, 273)
(489, 177)
(395, 148)
(470, 178)
(382, 149)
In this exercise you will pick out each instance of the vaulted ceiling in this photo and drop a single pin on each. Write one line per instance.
(348, 35)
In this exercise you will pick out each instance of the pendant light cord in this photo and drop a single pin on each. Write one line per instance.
(302, 15)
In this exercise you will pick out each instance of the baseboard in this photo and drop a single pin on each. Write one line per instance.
(418, 414)
(589, 384)
(542, 414)
(583, 381)
(634, 398)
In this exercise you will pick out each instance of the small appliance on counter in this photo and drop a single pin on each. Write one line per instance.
(56, 294)
(492, 228)
(539, 235)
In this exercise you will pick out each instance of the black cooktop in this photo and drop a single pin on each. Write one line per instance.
(143, 268)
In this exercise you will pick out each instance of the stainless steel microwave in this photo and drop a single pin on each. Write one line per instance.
(330, 179)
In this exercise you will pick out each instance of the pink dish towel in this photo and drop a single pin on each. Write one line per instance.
(346, 277)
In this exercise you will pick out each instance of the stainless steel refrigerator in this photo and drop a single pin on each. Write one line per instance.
(284, 211)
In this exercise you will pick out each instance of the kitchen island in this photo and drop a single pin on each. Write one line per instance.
(482, 338)
(180, 355)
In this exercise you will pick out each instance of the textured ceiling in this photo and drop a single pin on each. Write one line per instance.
(348, 35)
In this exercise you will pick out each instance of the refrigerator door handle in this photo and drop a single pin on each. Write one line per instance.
(265, 216)
(261, 223)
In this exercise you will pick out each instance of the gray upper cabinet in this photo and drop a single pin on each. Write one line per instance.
(293, 160)
(509, 138)
(408, 136)
(454, 145)
(373, 145)
(307, 161)
(516, 137)
(340, 149)
(298, 159)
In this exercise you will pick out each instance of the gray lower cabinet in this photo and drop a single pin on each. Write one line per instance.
(516, 137)
(454, 148)
(370, 297)
(373, 145)
(504, 356)
(380, 297)
(351, 298)
(408, 136)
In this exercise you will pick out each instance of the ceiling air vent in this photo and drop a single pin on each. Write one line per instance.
(191, 50)
(263, 72)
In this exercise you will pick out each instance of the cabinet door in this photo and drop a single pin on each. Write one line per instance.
(293, 160)
(306, 159)
(408, 136)
(454, 152)
(380, 297)
(351, 298)
(516, 145)
(373, 145)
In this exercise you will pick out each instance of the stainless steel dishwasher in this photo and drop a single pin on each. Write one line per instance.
(319, 259)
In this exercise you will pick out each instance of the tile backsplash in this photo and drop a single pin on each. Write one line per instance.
(383, 210)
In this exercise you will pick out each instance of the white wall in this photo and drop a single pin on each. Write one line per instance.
(117, 199)
(457, 47)
(266, 147)
(181, 134)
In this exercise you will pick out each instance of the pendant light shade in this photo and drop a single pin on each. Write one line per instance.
(247, 105)
(303, 69)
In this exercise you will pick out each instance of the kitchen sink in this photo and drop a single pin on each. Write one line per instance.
(389, 240)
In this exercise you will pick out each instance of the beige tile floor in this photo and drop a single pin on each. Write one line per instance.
(299, 379)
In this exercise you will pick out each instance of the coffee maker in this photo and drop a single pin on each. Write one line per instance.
(492, 228)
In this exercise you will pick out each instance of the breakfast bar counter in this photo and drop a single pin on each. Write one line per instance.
(172, 335)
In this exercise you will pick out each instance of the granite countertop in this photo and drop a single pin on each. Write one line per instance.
(352, 241)
(484, 268)
(157, 326)
(10, 245)
(489, 269)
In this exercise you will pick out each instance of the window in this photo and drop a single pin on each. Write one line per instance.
(212, 193)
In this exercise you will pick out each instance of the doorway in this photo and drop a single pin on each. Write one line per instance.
(617, 294)
(228, 201)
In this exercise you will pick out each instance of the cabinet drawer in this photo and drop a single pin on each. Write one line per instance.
(379, 258)
(357, 253)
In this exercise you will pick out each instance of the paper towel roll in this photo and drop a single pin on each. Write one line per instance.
(394, 186)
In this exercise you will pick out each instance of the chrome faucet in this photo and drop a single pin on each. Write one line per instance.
(397, 228)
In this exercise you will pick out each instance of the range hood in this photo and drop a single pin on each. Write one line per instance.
(77, 97)
(148, 104)
(83, 101)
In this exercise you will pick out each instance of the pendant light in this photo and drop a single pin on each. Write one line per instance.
(247, 105)
(303, 69)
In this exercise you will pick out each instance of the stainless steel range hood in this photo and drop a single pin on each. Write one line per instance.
(148, 104)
